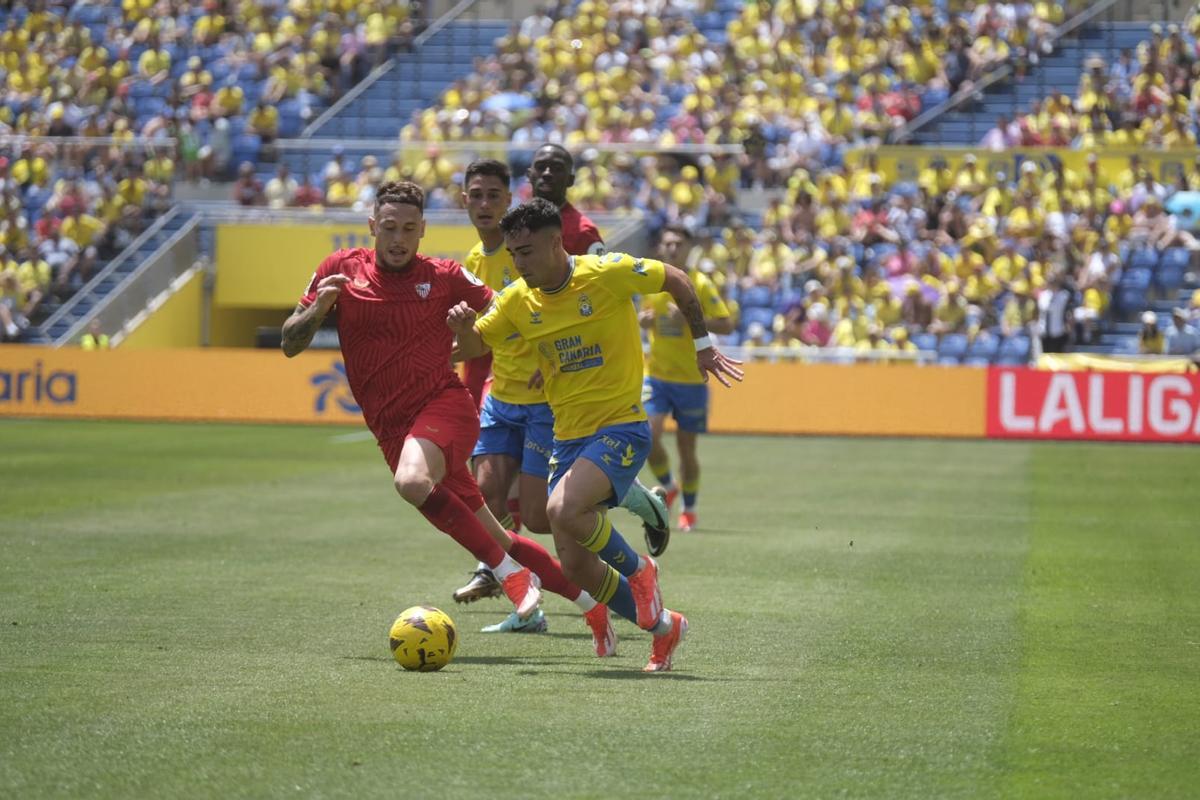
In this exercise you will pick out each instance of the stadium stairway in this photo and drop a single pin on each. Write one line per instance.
(107, 279)
(1057, 72)
(415, 81)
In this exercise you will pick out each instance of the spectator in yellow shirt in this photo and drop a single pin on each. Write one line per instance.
(264, 122)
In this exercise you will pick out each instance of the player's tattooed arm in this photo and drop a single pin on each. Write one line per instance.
(709, 360)
(302, 325)
(679, 286)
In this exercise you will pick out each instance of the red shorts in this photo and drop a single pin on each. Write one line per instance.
(451, 422)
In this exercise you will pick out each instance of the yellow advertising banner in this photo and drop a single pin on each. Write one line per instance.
(904, 163)
(269, 265)
(264, 386)
(858, 400)
(176, 384)
(1086, 362)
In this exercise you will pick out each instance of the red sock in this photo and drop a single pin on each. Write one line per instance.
(529, 553)
(514, 510)
(450, 515)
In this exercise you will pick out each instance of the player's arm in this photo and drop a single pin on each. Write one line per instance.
(302, 325)
(708, 358)
(461, 319)
(716, 316)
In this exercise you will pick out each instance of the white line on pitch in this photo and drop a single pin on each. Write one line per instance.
(357, 436)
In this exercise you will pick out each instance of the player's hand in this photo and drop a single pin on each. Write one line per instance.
(711, 361)
(674, 315)
(536, 380)
(461, 318)
(646, 318)
(329, 289)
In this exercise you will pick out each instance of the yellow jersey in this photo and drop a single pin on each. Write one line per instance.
(672, 355)
(587, 338)
(514, 360)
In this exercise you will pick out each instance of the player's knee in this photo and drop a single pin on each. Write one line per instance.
(554, 510)
(413, 485)
(534, 517)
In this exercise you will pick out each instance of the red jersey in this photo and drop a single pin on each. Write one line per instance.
(581, 237)
(393, 333)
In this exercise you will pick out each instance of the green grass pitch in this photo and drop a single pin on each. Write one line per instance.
(202, 610)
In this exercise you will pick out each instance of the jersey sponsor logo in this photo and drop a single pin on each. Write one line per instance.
(333, 390)
(575, 356)
(596, 249)
(506, 279)
(639, 267)
(423, 289)
(471, 276)
(585, 306)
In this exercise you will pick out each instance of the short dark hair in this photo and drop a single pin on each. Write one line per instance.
(564, 152)
(532, 216)
(399, 192)
(490, 167)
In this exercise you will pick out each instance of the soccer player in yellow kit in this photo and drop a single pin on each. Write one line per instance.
(674, 384)
(576, 311)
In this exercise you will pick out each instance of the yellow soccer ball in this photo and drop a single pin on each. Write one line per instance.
(423, 639)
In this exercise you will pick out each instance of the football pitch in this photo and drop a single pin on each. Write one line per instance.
(202, 610)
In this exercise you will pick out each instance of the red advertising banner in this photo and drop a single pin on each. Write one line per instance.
(1112, 406)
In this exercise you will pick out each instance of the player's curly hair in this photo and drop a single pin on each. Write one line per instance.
(399, 192)
(490, 167)
(532, 217)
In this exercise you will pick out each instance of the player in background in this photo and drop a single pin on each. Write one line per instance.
(577, 312)
(392, 304)
(674, 385)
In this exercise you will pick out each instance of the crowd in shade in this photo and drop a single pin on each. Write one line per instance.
(218, 76)
(215, 77)
(1148, 97)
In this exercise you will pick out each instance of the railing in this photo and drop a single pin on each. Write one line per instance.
(453, 14)
(149, 279)
(1088, 14)
(829, 355)
(445, 19)
(345, 100)
(111, 267)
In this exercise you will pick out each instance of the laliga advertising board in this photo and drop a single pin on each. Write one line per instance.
(1113, 406)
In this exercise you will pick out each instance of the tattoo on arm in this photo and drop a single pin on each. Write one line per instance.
(300, 328)
(694, 316)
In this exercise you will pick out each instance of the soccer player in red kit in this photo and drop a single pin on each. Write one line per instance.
(391, 310)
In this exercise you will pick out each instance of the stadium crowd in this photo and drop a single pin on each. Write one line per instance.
(178, 90)
(843, 255)
(1144, 98)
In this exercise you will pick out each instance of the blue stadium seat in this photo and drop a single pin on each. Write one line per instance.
(925, 341)
(1014, 348)
(953, 345)
(758, 297)
(1176, 257)
(1143, 258)
(763, 316)
(975, 361)
(986, 346)
(948, 361)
